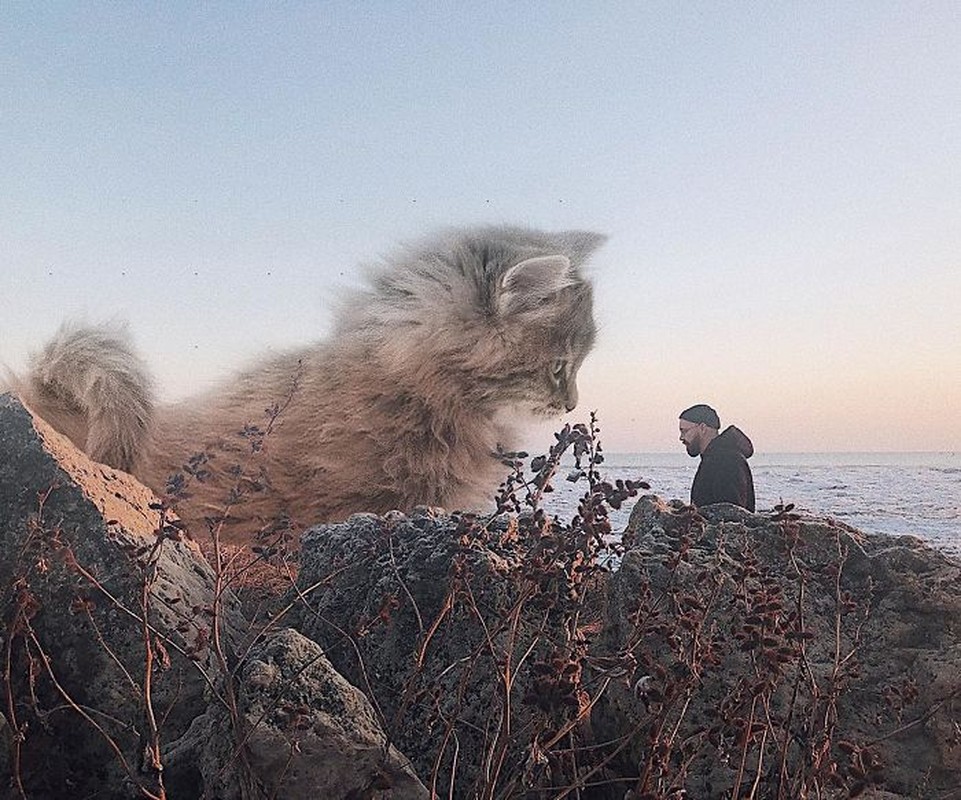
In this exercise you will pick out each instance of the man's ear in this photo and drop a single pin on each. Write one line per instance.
(527, 284)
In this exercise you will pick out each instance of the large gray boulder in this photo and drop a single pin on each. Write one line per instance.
(310, 733)
(412, 610)
(791, 654)
(79, 542)
(85, 558)
(728, 654)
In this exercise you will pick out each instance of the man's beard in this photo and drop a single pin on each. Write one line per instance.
(693, 450)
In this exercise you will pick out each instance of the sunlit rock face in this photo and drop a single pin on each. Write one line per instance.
(77, 540)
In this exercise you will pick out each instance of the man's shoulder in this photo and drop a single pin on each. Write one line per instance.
(724, 456)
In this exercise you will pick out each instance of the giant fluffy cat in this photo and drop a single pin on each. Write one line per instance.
(421, 378)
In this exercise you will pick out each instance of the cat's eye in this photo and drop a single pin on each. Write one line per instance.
(558, 368)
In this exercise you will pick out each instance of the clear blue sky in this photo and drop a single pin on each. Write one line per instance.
(781, 184)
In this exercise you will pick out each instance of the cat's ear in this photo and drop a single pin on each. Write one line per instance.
(530, 282)
(580, 245)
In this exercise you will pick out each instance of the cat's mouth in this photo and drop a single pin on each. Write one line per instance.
(550, 411)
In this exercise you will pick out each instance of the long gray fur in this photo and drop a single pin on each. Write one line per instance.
(453, 339)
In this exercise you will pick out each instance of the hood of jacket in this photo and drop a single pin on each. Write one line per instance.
(733, 438)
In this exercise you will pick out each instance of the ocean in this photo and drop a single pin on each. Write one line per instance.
(890, 493)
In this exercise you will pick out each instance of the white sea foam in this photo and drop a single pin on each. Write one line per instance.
(891, 493)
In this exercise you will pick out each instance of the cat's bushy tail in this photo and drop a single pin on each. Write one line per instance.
(89, 383)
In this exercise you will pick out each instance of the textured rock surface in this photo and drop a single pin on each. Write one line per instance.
(838, 639)
(311, 734)
(75, 550)
(410, 610)
(75, 541)
(788, 656)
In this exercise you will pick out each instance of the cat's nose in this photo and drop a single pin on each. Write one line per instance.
(570, 402)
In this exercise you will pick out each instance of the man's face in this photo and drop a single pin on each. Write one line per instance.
(692, 436)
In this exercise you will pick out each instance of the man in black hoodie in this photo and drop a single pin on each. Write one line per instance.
(723, 475)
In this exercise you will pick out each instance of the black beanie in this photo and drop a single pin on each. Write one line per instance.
(702, 413)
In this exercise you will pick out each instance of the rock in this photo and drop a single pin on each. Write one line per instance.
(408, 608)
(79, 542)
(783, 655)
(846, 646)
(310, 734)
